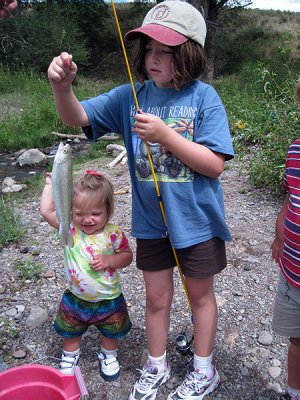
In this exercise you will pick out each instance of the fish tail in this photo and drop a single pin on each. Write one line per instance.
(70, 240)
(62, 241)
(65, 237)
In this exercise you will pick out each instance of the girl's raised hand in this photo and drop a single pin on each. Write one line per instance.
(62, 71)
(48, 178)
(6, 7)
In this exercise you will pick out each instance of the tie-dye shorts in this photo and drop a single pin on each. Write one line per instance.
(75, 316)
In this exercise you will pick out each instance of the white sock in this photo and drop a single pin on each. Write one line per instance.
(71, 353)
(294, 392)
(159, 362)
(203, 365)
(109, 353)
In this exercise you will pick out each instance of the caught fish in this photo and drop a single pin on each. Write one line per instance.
(62, 189)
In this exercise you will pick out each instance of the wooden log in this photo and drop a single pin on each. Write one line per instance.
(116, 160)
(114, 147)
(121, 192)
(69, 136)
(124, 160)
(83, 137)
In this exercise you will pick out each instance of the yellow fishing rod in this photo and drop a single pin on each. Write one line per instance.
(148, 152)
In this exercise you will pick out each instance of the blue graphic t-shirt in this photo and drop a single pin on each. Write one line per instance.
(193, 203)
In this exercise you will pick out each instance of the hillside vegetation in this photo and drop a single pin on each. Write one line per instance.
(256, 64)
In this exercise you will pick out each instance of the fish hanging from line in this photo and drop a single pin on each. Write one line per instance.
(62, 190)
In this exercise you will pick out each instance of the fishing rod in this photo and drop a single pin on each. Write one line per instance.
(148, 152)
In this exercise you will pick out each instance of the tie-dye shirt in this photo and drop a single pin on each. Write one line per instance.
(82, 280)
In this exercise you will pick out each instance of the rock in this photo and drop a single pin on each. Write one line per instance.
(36, 317)
(49, 274)
(275, 387)
(19, 354)
(20, 308)
(9, 185)
(12, 312)
(24, 249)
(230, 339)
(8, 182)
(32, 157)
(19, 153)
(276, 363)
(265, 338)
(274, 371)
(13, 188)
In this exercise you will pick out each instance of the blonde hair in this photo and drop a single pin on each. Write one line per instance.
(98, 189)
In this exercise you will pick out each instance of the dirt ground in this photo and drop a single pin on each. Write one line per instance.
(250, 358)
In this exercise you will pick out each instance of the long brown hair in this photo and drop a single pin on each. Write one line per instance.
(189, 62)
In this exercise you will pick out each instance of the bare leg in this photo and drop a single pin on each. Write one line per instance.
(159, 294)
(294, 363)
(109, 344)
(72, 344)
(205, 314)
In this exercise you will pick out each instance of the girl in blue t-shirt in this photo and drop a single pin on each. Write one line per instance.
(182, 125)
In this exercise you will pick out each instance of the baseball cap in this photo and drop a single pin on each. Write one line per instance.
(172, 23)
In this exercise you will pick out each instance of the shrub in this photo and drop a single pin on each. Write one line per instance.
(264, 120)
(35, 38)
(11, 228)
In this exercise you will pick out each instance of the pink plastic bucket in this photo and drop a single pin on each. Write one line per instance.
(38, 382)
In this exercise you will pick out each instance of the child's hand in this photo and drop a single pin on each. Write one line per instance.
(48, 178)
(277, 249)
(101, 261)
(62, 71)
(149, 127)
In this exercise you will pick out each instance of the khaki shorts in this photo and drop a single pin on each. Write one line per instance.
(286, 315)
(199, 261)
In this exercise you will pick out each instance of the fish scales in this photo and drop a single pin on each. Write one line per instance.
(62, 189)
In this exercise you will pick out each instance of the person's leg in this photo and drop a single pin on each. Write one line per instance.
(293, 368)
(71, 328)
(204, 378)
(112, 320)
(72, 344)
(199, 265)
(70, 355)
(159, 294)
(108, 359)
(285, 322)
(109, 344)
(205, 314)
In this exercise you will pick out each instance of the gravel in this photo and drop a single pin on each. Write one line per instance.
(250, 358)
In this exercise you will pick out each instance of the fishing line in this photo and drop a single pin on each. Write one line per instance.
(148, 152)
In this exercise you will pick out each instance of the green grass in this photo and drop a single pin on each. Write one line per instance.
(29, 269)
(27, 119)
(11, 227)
